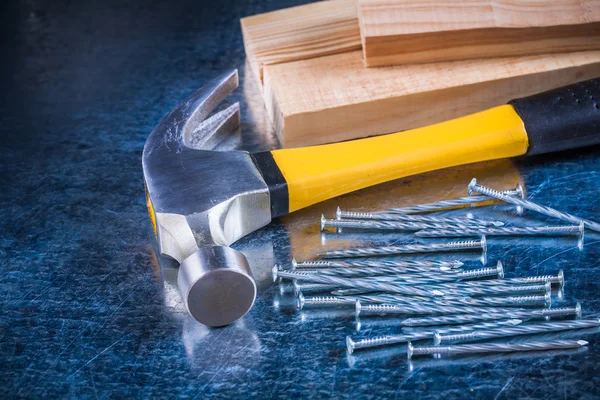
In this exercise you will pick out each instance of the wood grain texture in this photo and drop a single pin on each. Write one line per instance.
(407, 31)
(334, 98)
(302, 32)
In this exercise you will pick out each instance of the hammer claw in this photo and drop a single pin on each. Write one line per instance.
(215, 129)
(179, 128)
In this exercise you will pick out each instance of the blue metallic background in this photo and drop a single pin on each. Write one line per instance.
(87, 312)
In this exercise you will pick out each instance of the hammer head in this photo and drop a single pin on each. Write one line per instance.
(202, 200)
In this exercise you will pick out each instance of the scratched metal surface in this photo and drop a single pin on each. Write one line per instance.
(85, 309)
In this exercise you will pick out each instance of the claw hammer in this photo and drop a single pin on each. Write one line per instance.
(202, 200)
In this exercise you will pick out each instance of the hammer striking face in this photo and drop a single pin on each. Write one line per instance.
(202, 200)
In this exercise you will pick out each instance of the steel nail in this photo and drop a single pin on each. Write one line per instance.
(452, 203)
(352, 345)
(531, 329)
(551, 212)
(469, 221)
(301, 301)
(469, 318)
(578, 230)
(387, 225)
(409, 248)
(375, 263)
(494, 347)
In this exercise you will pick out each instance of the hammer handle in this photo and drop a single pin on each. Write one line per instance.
(560, 119)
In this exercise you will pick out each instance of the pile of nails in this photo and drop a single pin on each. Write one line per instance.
(439, 300)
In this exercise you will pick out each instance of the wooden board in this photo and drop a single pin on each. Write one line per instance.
(334, 98)
(409, 31)
(302, 32)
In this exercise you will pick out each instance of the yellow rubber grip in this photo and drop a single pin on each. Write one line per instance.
(318, 173)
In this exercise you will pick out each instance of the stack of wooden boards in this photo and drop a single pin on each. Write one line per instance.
(343, 69)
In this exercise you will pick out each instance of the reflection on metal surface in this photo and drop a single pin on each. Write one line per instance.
(374, 324)
(326, 314)
(166, 270)
(238, 346)
(363, 359)
(495, 359)
(263, 250)
(560, 293)
(171, 293)
(445, 184)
